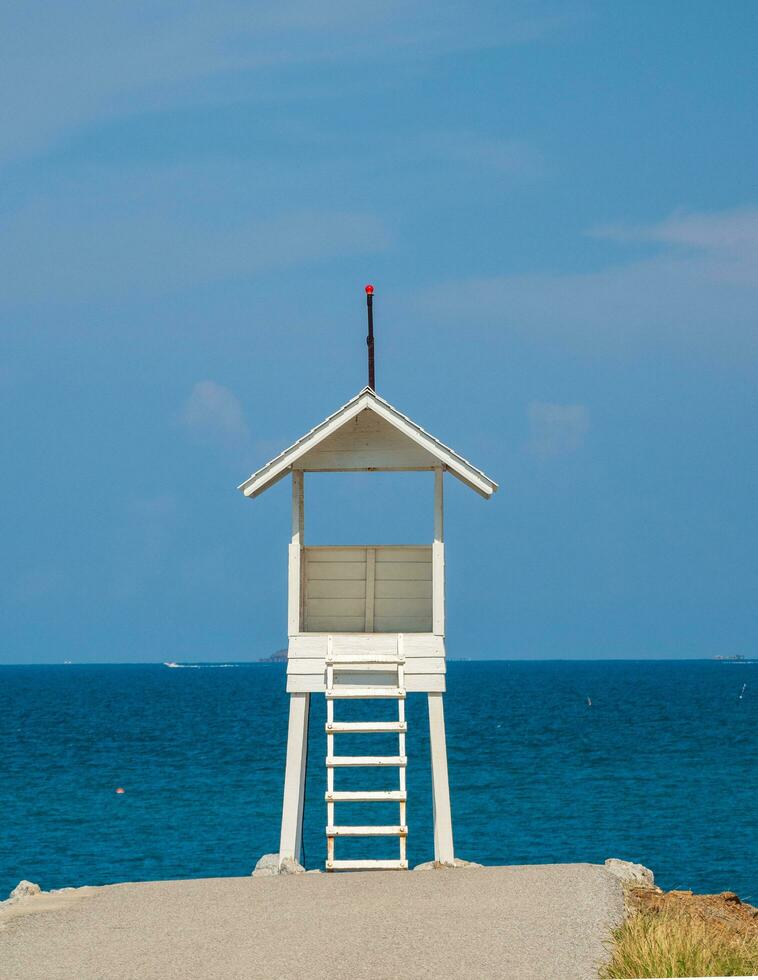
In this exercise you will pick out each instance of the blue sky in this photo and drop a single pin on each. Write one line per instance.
(558, 204)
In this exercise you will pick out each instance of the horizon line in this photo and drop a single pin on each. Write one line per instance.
(480, 660)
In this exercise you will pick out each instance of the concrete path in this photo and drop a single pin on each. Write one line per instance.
(541, 921)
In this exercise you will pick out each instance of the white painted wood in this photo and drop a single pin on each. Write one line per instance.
(395, 830)
(342, 668)
(424, 663)
(404, 553)
(370, 580)
(337, 761)
(438, 558)
(423, 645)
(347, 624)
(294, 777)
(367, 442)
(363, 691)
(403, 589)
(365, 796)
(356, 552)
(389, 552)
(404, 570)
(322, 553)
(338, 608)
(294, 590)
(274, 470)
(405, 624)
(465, 472)
(406, 458)
(344, 570)
(416, 439)
(367, 865)
(314, 645)
(414, 683)
(415, 665)
(321, 588)
(443, 822)
(367, 726)
(369, 597)
(401, 680)
(418, 608)
(391, 587)
(330, 745)
(360, 659)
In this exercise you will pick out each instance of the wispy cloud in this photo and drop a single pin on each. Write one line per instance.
(556, 430)
(214, 413)
(715, 230)
(699, 290)
(63, 66)
(117, 233)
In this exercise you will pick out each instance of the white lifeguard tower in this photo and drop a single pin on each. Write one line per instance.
(365, 621)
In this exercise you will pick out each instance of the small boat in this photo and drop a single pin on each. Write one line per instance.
(170, 663)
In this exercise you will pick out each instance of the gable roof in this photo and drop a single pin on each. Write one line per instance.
(426, 452)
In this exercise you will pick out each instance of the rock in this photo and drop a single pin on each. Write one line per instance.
(23, 889)
(289, 866)
(267, 865)
(270, 864)
(437, 865)
(731, 897)
(632, 874)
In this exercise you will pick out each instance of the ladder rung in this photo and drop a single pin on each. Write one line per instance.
(367, 865)
(365, 691)
(366, 796)
(366, 726)
(364, 658)
(397, 831)
(333, 761)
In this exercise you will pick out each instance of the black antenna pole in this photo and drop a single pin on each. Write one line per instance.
(370, 338)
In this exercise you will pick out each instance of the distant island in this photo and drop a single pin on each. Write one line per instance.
(279, 657)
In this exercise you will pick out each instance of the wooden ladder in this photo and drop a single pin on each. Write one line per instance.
(368, 663)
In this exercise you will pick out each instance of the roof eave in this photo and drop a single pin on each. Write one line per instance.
(282, 464)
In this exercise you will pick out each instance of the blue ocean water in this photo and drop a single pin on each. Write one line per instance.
(661, 768)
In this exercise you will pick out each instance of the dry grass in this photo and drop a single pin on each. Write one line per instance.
(683, 935)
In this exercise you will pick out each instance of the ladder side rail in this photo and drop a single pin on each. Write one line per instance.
(329, 750)
(401, 745)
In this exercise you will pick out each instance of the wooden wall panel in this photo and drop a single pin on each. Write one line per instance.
(391, 593)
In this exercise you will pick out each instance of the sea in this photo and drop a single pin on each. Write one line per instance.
(552, 761)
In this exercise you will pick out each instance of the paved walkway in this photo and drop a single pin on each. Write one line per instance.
(542, 921)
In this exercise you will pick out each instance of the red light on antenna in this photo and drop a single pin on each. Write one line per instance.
(369, 290)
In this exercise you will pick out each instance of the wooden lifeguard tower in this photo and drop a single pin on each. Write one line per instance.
(365, 621)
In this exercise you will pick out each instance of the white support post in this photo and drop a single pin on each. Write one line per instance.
(294, 778)
(297, 733)
(443, 821)
(294, 592)
(370, 589)
(438, 559)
